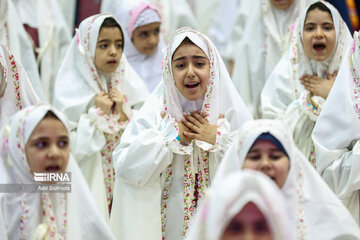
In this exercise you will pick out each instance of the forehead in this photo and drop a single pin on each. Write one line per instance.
(49, 126)
(318, 16)
(262, 144)
(148, 27)
(188, 49)
(110, 33)
(250, 213)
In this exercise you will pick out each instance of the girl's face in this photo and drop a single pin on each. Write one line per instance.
(319, 36)
(248, 224)
(191, 71)
(146, 38)
(265, 157)
(47, 149)
(108, 49)
(281, 4)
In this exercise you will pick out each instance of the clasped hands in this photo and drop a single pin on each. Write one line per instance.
(111, 103)
(194, 125)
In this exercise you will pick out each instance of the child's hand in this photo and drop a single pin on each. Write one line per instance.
(201, 129)
(318, 86)
(118, 100)
(103, 102)
(182, 129)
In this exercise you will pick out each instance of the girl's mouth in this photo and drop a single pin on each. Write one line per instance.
(52, 168)
(319, 47)
(192, 85)
(112, 62)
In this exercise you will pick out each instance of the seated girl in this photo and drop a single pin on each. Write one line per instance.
(170, 151)
(299, 85)
(336, 133)
(267, 146)
(143, 43)
(98, 90)
(16, 91)
(37, 141)
(243, 205)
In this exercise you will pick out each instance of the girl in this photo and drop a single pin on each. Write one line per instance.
(267, 146)
(260, 36)
(37, 140)
(297, 88)
(170, 151)
(14, 36)
(17, 91)
(241, 205)
(144, 44)
(336, 133)
(104, 90)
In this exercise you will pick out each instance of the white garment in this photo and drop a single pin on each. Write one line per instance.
(54, 37)
(18, 92)
(285, 98)
(336, 133)
(229, 196)
(14, 36)
(259, 39)
(221, 27)
(23, 214)
(94, 134)
(204, 12)
(155, 174)
(148, 67)
(68, 8)
(315, 210)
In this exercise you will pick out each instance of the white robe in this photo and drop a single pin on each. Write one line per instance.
(336, 134)
(260, 36)
(285, 98)
(93, 133)
(24, 215)
(315, 210)
(149, 151)
(54, 38)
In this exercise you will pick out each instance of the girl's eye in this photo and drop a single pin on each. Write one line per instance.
(118, 45)
(261, 227)
(309, 29)
(103, 46)
(328, 28)
(181, 65)
(200, 64)
(157, 31)
(63, 143)
(40, 144)
(143, 34)
(253, 157)
(234, 228)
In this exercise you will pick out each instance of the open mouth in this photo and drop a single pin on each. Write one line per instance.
(112, 62)
(192, 85)
(319, 46)
(52, 168)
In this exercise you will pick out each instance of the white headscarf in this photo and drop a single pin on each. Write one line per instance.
(303, 64)
(316, 211)
(14, 36)
(30, 214)
(220, 96)
(339, 122)
(230, 195)
(19, 92)
(78, 71)
(133, 14)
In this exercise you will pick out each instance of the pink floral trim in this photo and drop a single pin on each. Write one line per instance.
(15, 76)
(355, 55)
(300, 225)
(312, 156)
(219, 132)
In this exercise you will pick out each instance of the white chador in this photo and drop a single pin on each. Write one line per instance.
(94, 135)
(315, 210)
(54, 38)
(133, 14)
(336, 133)
(260, 36)
(230, 195)
(156, 175)
(42, 215)
(14, 36)
(285, 98)
(16, 91)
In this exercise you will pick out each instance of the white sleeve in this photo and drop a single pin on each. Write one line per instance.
(343, 177)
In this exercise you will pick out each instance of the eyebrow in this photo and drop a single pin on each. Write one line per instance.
(196, 56)
(108, 40)
(46, 138)
(311, 23)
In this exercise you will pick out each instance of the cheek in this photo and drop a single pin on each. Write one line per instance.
(250, 165)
